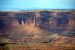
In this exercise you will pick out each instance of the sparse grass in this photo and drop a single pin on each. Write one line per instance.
(43, 46)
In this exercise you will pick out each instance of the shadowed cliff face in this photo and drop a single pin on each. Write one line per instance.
(45, 21)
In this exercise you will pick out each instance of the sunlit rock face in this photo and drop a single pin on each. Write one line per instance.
(37, 23)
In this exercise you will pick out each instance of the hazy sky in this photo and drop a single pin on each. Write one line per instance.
(36, 4)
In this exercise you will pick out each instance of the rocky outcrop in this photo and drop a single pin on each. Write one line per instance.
(46, 22)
